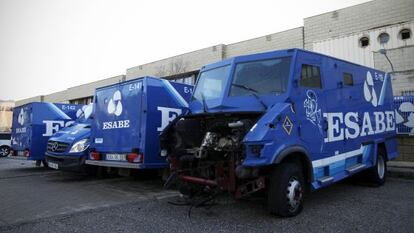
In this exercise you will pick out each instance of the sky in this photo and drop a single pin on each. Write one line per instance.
(50, 45)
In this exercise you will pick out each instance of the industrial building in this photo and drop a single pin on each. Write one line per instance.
(354, 33)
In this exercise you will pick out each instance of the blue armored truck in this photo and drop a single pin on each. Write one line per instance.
(67, 149)
(128, 119)
(286, 122)
(34, 123)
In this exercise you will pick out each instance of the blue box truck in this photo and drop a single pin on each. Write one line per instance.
(67, 149)
(285, 122)
(34, 123)
(128, 119)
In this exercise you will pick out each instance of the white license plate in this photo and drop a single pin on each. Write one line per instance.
(116, 157)
(53, 165)
(20, 153)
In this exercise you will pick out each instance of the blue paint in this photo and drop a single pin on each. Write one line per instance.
(145, 101)
(30, 131)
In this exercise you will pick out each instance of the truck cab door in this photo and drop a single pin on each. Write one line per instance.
(310, 100)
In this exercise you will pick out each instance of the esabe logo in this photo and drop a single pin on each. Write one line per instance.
(115, 104)
(115, 108)
(21, 117)
(369, 90)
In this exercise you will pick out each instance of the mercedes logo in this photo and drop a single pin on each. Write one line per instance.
(54, 146)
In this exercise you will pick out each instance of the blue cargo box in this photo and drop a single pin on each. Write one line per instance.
(129, 118)
(35, 122)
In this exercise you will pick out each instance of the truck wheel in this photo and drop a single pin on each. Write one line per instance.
(286, 190)
(4, 151)
(378, 173)
(45, 164)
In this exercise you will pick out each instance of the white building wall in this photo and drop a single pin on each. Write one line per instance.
(347, 47)
(38, 98)
(87, 90)
(373, 14)
(183, 63)
(292, 38)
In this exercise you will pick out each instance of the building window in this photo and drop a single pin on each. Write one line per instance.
(364, 42)
(383, 38)
(405, 34)
(310, 76)
(348, 79)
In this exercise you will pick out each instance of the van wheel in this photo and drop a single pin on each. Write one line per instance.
(45, 164)
(286, 190)
(4, 151)
(378, 173)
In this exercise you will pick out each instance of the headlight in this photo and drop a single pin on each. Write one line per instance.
(164, 153)
(80, 146)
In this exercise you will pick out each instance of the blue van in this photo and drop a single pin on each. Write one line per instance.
(128, 119)
(285, 121)
(34, 123)
(68, 148)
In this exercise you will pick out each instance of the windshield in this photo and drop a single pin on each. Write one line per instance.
(211, 83)
(261, 77)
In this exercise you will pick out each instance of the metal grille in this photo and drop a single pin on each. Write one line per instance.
(56, 147)
(404, 107)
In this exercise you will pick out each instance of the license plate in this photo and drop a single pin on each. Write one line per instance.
(116, 157)
(20, 153)
(53, 165)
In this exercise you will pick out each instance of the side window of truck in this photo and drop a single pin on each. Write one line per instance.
(348, 80)
(310, 76)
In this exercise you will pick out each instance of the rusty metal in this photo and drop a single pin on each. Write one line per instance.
(250, 187)
(197, 180)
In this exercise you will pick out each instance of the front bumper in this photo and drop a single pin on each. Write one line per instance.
(67, 163)
(102, 163)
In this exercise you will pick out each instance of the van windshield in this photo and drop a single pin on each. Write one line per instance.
(261, 77)
(211, 83)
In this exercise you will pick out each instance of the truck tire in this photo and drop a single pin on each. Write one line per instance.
(44, 162)
(378, 173)
(4, 151)
(286, 190)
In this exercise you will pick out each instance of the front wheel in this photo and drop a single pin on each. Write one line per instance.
(286, 190)
(378, 173)
(4, 151)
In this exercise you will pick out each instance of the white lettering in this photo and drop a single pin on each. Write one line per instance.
(52, 127)
(116, 124)
(366, 125)
(135, 86)
(334, 120)
(167, 115)
(353, 125)
(21, 130)
(349, 126)
(379, 122)
(390, 116)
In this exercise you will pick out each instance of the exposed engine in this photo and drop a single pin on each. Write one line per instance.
(208, 146)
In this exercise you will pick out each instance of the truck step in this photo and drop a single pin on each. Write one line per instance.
(355, 168)
(325, 180)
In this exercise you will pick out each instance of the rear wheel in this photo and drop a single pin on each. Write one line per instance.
(4, 151)
(286, 190)
(378, 173)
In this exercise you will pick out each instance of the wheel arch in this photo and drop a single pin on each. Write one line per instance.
(297, 154)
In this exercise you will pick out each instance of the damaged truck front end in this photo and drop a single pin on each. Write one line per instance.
(226, 142)
(207, 151)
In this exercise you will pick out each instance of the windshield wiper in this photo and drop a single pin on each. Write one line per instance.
(205, 109)
(252, 91)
